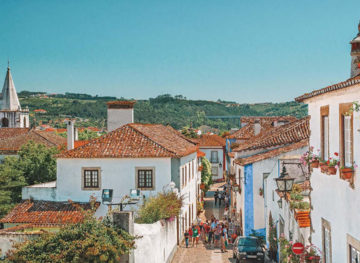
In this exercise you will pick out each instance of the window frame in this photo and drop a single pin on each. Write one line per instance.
(137, 170)
(352, 243)
(324, 112)
(325, 225)
(211, 157)
(344, 109)
(83, 170)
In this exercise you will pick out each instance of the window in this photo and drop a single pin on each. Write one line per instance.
(25, 126)
(353, 249)
(354, 255)
(214, 157)
(91, 178)
(324, 122)
(346, 135)
(326, 241)
(145, 178)
(185, 175)
(4, 122)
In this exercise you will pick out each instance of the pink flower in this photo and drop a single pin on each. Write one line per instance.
(336, 166)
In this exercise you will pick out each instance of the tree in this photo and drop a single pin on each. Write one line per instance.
(11, 181)
(37, 163)
(90, 241)
(206, 175)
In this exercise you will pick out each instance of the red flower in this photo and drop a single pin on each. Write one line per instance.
(337, 154)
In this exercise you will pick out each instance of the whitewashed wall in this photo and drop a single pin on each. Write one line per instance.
(332, 198)
(220, 151)
(158, 242)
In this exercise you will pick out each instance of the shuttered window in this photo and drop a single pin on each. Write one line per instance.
(145, 179)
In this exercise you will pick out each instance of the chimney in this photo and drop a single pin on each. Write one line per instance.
(76, 134)
(257, 127)
(70, 134)
(119, 113)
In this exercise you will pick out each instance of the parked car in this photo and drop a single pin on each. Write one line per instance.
(248, 249)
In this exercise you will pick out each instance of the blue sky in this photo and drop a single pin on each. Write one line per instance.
(238, 50)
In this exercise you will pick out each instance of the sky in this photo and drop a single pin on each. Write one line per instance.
(236, 50)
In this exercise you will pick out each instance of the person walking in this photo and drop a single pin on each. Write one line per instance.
(186, 238)
(226, 213)
(216, 196)
(223, 238)
(190, 234)
(194, 234)
(217, 234)
(211, 232)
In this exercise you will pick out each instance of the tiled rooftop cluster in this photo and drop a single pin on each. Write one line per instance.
(265, 122)
(292, 132)
(13, 138)
(46, 212)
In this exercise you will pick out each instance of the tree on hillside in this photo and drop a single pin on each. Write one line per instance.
(90, 241)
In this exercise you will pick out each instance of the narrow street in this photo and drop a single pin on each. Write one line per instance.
(203, 253)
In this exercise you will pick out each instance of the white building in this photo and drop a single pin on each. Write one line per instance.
(11, 114)
(146, 157)
(256, 165)
(336, 200)
(214, 148)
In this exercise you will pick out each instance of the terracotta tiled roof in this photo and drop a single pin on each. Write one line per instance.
(135, 141)
(266, 123)
(292, 132)
(46, 212)
(210, 140)
(11, 139)
(272, 153)
(338, 86)
(129, 104)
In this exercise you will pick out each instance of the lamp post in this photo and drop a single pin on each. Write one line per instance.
(284, 182)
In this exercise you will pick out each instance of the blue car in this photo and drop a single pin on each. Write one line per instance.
(248, 249)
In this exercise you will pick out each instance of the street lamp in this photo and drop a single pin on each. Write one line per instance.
(284, 182)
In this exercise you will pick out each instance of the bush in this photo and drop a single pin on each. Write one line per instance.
(206, 176)
(90, 241)
(162, 206)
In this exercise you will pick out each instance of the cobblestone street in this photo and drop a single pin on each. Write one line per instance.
(203, 253)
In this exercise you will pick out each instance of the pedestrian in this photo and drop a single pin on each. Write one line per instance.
(194, 234)
(206, 231)
(223, 236)
(190, 234)
(226, 213)
(198, 234)
(186, 238)
(211, 232)
(223, 194)
(217, 234)
(216, 196)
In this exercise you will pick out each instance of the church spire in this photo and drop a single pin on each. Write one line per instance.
(10, 100)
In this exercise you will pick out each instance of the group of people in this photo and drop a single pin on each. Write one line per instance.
(222, 196)
(215, 233)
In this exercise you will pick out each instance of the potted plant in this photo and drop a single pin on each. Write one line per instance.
(312, 256)
(323, 166)
(333, 164)
(310, 158)
(347, 172)
(261, 191)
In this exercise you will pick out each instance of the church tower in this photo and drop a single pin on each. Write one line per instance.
(11, 114)
(355, 55)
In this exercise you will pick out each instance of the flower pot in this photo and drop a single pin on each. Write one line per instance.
(315, 164)
(312, 259)
(331, 170)
(323, 168)
(347, 173)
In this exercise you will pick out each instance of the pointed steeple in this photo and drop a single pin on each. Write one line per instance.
(10, 100)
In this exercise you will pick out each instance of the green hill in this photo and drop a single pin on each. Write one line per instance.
(166, 109)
